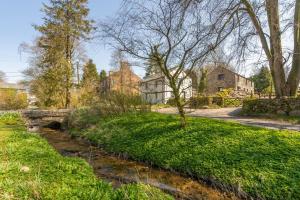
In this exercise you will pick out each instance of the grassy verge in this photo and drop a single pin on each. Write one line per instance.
(263, 163)
(31, 169)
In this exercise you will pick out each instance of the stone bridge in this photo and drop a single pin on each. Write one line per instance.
(36, 119)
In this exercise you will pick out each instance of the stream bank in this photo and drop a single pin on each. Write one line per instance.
(119, 171)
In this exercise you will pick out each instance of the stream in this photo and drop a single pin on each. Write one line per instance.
(119, 171)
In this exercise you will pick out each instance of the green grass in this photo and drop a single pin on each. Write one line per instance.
(31, 169)
(263, 163)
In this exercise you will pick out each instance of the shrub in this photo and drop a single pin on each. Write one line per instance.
(10, 99)
(233, 102)
(225, 93)
(172, 101)
(198, 102)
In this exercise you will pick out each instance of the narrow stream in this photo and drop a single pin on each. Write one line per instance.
(119, 171)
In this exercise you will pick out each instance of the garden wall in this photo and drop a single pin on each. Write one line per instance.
(200, 102)
(287, 106)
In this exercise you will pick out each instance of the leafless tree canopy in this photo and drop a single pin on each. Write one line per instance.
(266, 30)
(180, 33)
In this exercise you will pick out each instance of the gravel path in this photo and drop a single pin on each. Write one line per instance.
(229, 114)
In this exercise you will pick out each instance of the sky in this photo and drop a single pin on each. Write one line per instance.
(17, 18)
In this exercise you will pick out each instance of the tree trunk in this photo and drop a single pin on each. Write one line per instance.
(179, 104)
(276, 62)
(294, 76)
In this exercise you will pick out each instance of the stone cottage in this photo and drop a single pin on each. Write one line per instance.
(123, 80)
(222, 78)
(155, 88)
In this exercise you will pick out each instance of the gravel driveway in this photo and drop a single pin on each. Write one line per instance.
(230, 114)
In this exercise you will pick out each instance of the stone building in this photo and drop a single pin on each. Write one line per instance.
(123, 80)
(155, 88)
(222, 78)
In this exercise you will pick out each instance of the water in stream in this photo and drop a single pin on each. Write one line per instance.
(119, 171)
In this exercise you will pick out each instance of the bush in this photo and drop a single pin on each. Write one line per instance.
(198, 102)
(233, 102)
(113, 104)
(10, 99)
(172, 101)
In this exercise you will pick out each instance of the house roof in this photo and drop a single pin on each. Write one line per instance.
(232, 72)
(158, 75)
(153, 77)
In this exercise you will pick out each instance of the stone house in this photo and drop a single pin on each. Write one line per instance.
(222, 78)
(155, 88)
(123, 80)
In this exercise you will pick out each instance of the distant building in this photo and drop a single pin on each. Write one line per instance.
(155, 88)
(123, 80)
(222, 78)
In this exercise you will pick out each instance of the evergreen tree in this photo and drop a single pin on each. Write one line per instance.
(90, 75)
(102, 75)
(151, 65)
(65, 24)
(89, 83)
(203, 81)
(263, 81)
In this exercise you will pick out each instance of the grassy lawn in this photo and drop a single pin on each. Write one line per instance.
(31, 169)
(263, 163)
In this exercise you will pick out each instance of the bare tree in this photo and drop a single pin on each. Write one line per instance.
(264, 25)
(175, 35)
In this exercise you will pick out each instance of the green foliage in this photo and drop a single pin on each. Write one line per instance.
(10, 99)
(172, 101)
(233, 102)
(203, 81)
(113, 104)
(225, 93)
(153, 64)
(90, 75)
(65, 24)
(200, 101)
(31, 169)
(89, 84)
(263, 81)
(261, 162)
(140, 192)
(102, 75)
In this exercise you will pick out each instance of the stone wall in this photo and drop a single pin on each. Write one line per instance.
(287, 106)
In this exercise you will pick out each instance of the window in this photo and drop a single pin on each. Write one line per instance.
(156, 96)
(220, 89)
(238, 88)
(221, 76)
(156, 83)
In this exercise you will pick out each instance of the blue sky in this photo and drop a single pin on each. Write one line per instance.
(17, 17)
